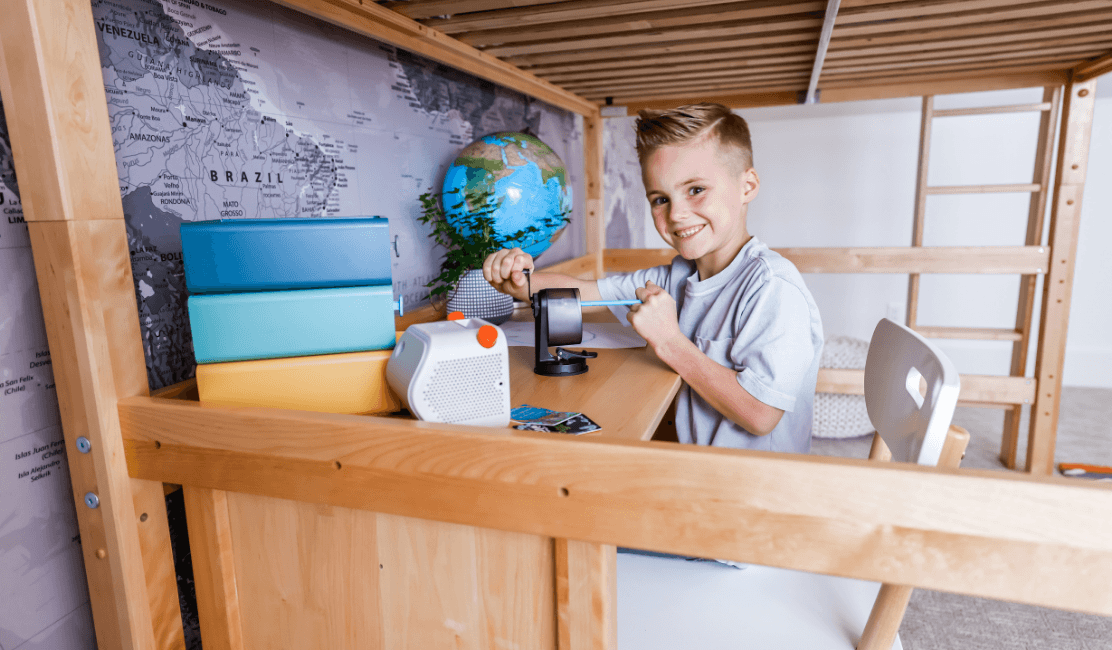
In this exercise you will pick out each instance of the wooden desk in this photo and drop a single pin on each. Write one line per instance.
(626, 391)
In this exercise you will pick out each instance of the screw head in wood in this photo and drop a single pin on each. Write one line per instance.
(92, 500)
(101, 553)
(83, 444)
(1083, 92)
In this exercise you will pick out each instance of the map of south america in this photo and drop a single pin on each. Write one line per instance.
(231, 110)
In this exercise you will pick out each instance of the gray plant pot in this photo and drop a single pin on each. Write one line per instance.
(475, 297)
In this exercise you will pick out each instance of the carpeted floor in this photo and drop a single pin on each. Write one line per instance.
(941, 621)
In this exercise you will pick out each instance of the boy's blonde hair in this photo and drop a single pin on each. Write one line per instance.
(656, 128)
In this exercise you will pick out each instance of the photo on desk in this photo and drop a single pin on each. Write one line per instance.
(574, 425)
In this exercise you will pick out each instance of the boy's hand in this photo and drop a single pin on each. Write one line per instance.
(504, 270)
(655, 318)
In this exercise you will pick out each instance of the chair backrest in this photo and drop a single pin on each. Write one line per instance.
(912, 424)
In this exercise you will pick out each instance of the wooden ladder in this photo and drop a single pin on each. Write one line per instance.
(1020, 335)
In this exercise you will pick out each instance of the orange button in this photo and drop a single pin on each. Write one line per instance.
(456, 315)
(488, 335)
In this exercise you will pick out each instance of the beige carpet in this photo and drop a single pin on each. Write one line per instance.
(941, 621)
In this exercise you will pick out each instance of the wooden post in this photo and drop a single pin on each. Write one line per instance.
(61, 139)
(1069, 184)
(1044, 159)
(595, 223)
(586, 596)
(920, 215)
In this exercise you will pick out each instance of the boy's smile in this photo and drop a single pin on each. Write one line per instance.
(699, 199)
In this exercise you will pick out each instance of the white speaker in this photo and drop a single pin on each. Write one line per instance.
(455, 371)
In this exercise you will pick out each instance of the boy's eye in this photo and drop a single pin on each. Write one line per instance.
(658, 200)
(696, 190)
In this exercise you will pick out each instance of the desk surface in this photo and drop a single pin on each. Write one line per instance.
(626, 391)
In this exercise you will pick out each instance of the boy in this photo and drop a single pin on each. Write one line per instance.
(731, 317)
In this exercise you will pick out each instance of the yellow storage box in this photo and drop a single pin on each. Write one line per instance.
(352, 382)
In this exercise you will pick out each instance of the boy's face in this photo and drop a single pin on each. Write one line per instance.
(699, 198)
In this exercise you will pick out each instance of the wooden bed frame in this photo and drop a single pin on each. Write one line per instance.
(439, 489)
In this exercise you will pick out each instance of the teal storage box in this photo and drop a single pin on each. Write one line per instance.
(274, 324)
(275, 254)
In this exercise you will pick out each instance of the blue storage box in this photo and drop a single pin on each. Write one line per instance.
(275, 324)
(276, 254)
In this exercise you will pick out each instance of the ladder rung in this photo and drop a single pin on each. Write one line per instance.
(983, 189)
(970, 333)
(993, 110)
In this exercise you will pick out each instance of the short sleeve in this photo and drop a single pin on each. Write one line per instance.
(773, 350)
(623, 286)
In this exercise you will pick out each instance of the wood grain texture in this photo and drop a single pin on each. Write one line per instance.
(158, 564)
(966, 533)
(586, 596)
(312, 575)
(927, 259)
(1065, 221)
(1025, 305)
(57, 112)
(370, 19)
(1092, 69)
(594, 221)
(214, 572)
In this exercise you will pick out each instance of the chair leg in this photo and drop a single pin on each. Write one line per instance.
(884, 621)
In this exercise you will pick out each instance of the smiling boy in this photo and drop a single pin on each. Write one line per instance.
(731, 317)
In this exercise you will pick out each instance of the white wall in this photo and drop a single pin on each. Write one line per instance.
(844, 175)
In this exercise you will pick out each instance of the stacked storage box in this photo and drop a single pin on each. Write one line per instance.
(292, 313)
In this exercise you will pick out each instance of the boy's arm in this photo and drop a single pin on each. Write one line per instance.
(504, 270)
(656, 321)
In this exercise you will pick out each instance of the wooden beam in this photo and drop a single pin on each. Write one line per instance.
(375, 21)
(969, 333)
(57, 115)
(899, 259)
(594, 221)
(975, 389)
(919, 213)
(824, 43)
(1025, 304)
(1065, 219)
(984, 189)
(214, 571)
(577, 11)
(751, 99)
(1093, 69)
(432, 8)
(994, 110)
(967, 532)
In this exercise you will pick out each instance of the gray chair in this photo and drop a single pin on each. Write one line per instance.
(911, 390)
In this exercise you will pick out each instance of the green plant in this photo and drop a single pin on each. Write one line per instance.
(479, 238)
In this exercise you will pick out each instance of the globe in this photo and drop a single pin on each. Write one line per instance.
(524, 184)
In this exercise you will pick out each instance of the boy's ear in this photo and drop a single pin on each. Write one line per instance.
(750, 185)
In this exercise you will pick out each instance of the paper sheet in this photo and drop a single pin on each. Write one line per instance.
(595, 335)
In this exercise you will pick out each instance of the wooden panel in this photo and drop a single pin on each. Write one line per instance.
(967, 532)
(214, 571)
(932, 259)
(429, 8)
(584, 267)
(586, 596)
(319, 576)
(1065, 216)
(377, 22)
(982, 389)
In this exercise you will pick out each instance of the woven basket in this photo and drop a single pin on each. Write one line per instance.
(842, 416)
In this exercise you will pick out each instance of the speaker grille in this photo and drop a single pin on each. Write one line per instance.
(466, 389)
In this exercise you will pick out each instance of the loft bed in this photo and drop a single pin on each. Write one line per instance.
(1033, 539)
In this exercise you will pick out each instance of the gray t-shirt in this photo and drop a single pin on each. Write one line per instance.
(756, 317)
